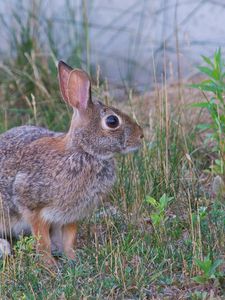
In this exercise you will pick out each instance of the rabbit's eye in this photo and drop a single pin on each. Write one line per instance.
(112, 121)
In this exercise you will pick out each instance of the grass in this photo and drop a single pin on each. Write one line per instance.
(160, 228)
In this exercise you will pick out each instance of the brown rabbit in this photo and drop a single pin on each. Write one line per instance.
(49, 181)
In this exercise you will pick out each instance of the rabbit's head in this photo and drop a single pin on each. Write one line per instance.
(98, 129)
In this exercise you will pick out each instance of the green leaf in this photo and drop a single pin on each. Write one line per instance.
(200, 279)
(215, 265)
(217, 58)
(156, 218)
(200, 104)
(219, 162)
(203, 126)
(151, 201)
(204, 265)
(206, 70)
(164, 201)
(207, 60)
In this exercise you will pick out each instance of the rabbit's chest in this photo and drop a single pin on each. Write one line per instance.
(88, 177)
(78, 200)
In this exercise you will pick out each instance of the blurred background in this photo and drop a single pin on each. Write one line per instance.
(134, 42)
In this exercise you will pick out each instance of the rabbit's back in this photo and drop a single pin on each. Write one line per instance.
(12, 144)
(14, 140)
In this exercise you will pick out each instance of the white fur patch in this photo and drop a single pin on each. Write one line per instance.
(5, 249)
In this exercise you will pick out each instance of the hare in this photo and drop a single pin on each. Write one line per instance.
(48, 180)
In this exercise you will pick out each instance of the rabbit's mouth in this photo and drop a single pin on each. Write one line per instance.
(128, 149)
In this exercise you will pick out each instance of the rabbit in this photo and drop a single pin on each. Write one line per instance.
(49, 181)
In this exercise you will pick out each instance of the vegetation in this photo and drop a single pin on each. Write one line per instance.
(160, 234)
(215, 104)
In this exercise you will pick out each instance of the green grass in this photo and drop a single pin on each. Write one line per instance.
(132, 247)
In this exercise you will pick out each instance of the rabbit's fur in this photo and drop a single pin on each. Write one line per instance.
(52, 180)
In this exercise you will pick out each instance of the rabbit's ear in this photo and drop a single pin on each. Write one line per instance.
(79, 90)
(64, 73)
(75, 86)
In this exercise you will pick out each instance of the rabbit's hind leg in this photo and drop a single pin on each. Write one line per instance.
(41, 231)
(69, 232)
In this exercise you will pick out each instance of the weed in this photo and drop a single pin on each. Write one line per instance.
(158, 215)
(215, 84)
(209, 270)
